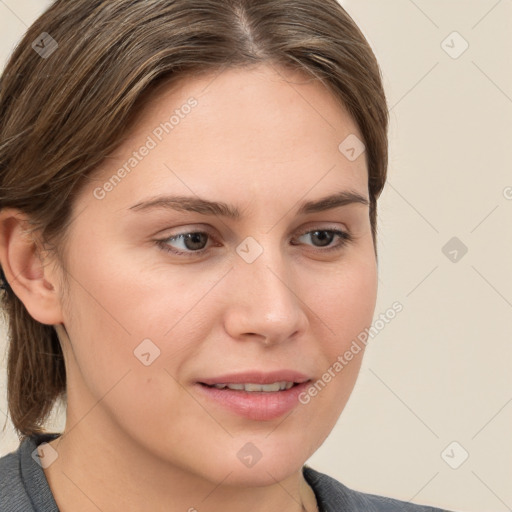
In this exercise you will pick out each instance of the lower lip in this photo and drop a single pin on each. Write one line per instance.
(256, 405)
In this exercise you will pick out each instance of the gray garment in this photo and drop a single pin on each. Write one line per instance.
(24, 488)
(23, 484)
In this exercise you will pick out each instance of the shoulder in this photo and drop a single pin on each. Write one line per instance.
(333, 496)
(13, 496)
(23, 485)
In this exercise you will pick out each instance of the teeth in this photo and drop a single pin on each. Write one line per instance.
(276, 386)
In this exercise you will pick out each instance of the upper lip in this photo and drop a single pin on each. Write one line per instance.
(257, 377)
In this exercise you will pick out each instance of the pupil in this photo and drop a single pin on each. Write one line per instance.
(195, 238)
(324, 240)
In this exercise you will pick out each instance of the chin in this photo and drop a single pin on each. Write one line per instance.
(263, 473)
(261, 461)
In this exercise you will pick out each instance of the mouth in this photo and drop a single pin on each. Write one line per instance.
(256, 401)
(251, 387)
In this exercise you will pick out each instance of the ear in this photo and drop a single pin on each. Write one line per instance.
(34, 282)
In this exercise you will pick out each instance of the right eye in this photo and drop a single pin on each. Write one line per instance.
(192, 243)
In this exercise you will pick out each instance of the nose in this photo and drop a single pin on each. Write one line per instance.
(264, 301)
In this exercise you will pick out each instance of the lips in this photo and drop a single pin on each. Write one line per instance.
(257, 377)
(252, 402)
(253, 405)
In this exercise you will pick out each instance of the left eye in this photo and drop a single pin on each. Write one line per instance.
(193, 243)
(326, 236)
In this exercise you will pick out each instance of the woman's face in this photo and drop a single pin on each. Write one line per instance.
(274, 289)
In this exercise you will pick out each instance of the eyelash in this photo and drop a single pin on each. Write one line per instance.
(344, 236)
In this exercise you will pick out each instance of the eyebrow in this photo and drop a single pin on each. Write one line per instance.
(205, 207)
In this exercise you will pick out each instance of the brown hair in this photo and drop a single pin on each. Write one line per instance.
(64, 108)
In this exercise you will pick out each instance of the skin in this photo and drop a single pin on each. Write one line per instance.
(261, 139)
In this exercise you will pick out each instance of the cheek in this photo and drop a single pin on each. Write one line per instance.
(346, 301)
(346, 307)
(126, 317)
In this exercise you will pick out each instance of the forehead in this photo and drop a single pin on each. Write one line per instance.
(238, 133)
(261, 103)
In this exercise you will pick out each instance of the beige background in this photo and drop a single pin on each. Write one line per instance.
(440, 371)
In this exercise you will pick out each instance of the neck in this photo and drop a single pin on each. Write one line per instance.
(112, 472)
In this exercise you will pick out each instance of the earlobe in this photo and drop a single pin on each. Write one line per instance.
(25, 269)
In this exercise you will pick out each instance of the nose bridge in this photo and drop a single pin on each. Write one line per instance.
(265, 300)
